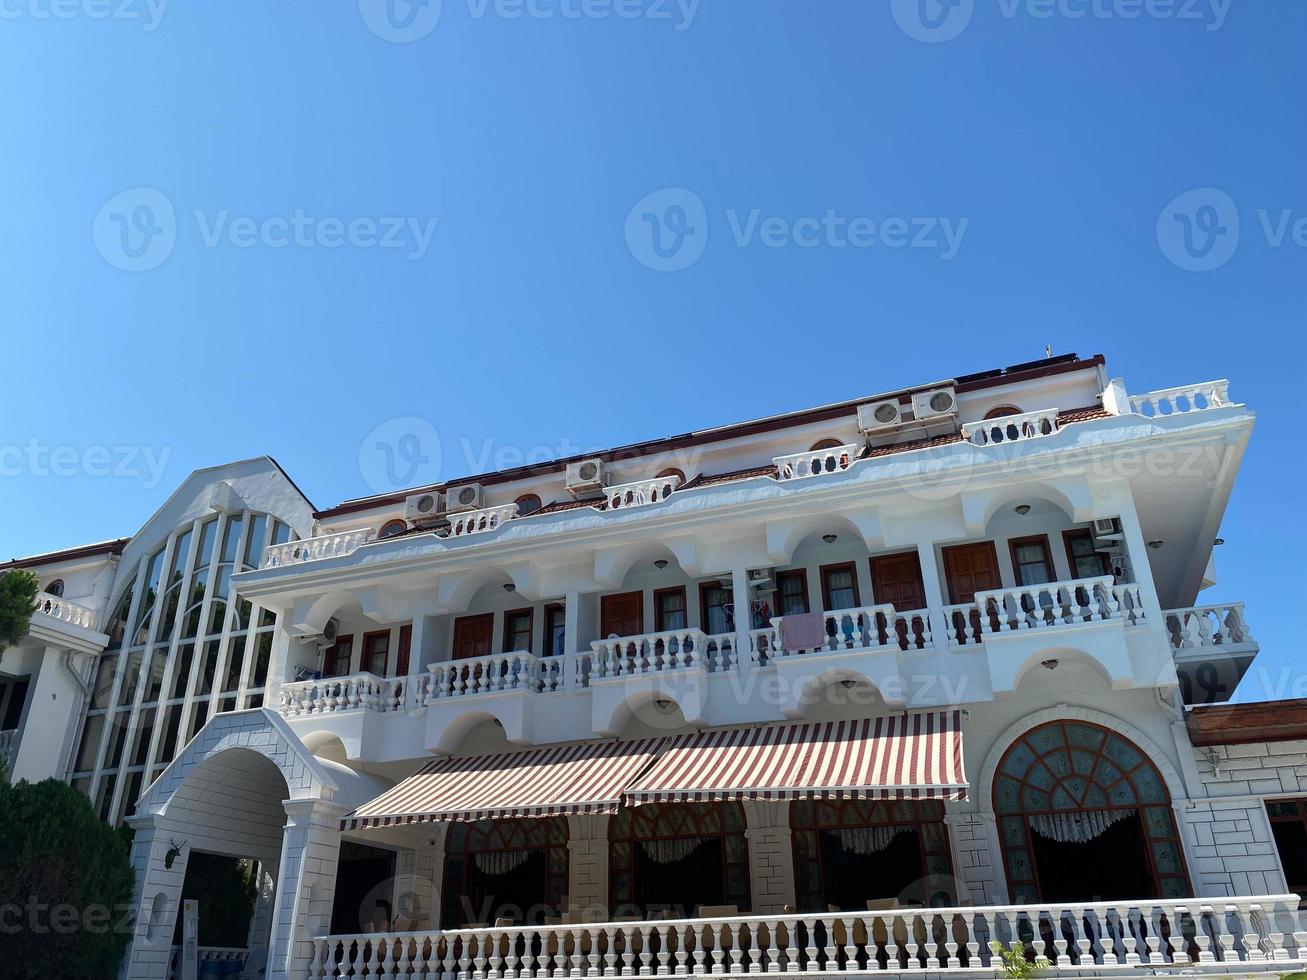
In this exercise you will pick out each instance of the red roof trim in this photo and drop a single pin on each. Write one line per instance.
(1255, 721)
(69, 554)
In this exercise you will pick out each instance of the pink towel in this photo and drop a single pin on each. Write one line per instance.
(803, 632)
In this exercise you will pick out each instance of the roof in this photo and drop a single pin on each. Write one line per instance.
(1026, 371)
(1254, 721)
(114, 547)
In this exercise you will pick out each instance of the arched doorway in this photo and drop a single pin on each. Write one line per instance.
(513, 868)
(1084, 815)
(849, 851)
(669, 859)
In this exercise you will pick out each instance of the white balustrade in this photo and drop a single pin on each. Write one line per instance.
(331, 694)
(815, 462)
(1011, 428)
(1208, 626)
(1180, 401)
(653, 653)
(498, 672)
(312, 549)
(57, 607)
(1192, 936)
(1085, 600)
(857, 628)
(465, 522)
(641, 492)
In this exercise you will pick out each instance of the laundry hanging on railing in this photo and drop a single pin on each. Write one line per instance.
(1076, 827)
(672, 849)
(868, 840)
(500, 862)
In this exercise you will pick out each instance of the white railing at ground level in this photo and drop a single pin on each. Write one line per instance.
(1207, 626)
(1011, 428)
(312, 549)
(1179, 401)
(57, 607)
(816, 462)
(1199, 935)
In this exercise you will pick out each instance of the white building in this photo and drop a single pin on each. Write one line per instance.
(523, 725)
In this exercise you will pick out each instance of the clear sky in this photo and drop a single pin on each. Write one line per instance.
(242, 228)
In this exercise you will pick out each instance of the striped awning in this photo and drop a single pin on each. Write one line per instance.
(916, 756)
(581, 777)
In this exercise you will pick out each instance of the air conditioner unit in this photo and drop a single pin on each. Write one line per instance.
(1107, 525)
(586, 475)
(760, 579)
(329, 633)
(940, 401)
(879, 415)
(470, 496)
(424, 506)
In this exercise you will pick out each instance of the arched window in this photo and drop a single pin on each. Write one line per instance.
(508, 868)
(1002, 412)
(55, 588)
(528, 503)
(676, 857)
(848, 851)
(825, 444)
(392, 528)
(1084, 815)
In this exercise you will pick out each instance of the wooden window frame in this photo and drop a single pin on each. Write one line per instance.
(332, 655)
(603, 600)
(947, 550)
(403, 656)
(842, 566)
(1040, 539)
(366, 655)
(704, 589)
(453, 633)
(1078, 533)
(551, 610)
(528, 496)
(506, 642)
(395, 523)
(793, 573)
(1002, 412)
(659, 625)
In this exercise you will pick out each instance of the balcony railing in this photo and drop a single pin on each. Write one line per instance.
(331, 694)
(1179, 401)
(642, 492)
(654, 653)
(494, 674)
(311, 549)
(815, 462)
(1208, 627)
(999, 612)
(465, 522)
(57, 607)
(1201, 935)
(860, 628)
(1011, 428)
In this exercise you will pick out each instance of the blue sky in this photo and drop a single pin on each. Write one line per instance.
(235, 229)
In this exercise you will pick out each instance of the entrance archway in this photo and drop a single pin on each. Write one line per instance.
(510, 868)
(1084, 815)
(669, 859)
(849, 851)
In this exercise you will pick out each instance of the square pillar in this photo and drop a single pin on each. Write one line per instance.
(771, 856)
(156, 897)
(935, 598)
(741, 601)
(306, 885)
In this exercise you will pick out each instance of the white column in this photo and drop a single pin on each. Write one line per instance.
(771, 856)
(935, 601)
(740, 598)
(418, 658)
(156, 898)
(571, 637)
(306, 885)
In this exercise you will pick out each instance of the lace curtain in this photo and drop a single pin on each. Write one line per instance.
(868, 840)
(500, 862)
(672, 849)
(1076, 828)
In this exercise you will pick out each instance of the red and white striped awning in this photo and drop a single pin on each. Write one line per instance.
(916, 756)
(584, 777)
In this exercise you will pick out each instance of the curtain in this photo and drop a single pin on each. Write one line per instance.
(868, 840)
(1076, 827)
(671, 850)
(500, 862)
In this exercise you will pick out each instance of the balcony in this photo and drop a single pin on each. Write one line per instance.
(1222, 936)
(466, 522)
(641, 493)
(1011, 428)
(328, 695)
(1001, 612)
(1213, 649)
(816, 462)
(495, 674)
(313, 549)
(1182, 400)
(63, 611)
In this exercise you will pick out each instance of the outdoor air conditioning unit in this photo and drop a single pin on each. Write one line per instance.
(329, 633)
(879, 415)
(585, 476)
(421, 507)
(940, 401)
(470, 496)
(760, 579)
(1106, 525)
(1108, 537)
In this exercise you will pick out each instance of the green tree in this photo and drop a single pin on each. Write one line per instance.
(65, 885)
(18, 590)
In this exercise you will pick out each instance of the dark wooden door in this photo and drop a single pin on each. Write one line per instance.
(896, 579)
(622, 615)
(971, 568)
(472, 636)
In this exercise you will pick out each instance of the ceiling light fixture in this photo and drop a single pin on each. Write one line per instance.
(830, 538)
(1156, 543)
(1022, 509)
(661, 563)
(508, 586)
(1049, 664)
(1218, 542)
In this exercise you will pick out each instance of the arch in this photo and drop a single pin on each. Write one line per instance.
(682, 708)
(1002, 412)
(1071, 495)
(805, 692)
(1067, 783)
(1070, 655)
(528, 503)
(823, 444)
(612, 565)
(785, 537)
(393, 528)
(310, 618)
(447, 730)
(457, 591)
